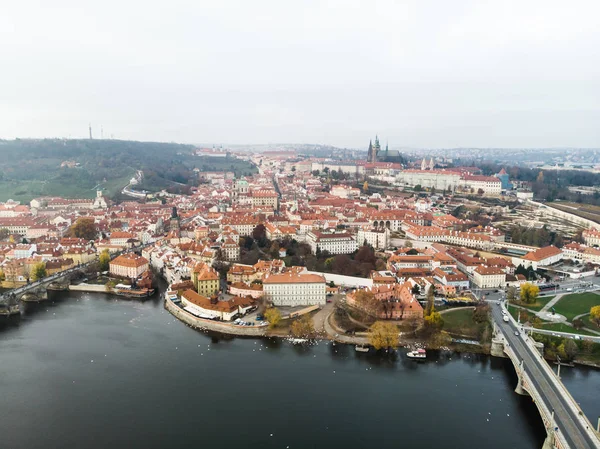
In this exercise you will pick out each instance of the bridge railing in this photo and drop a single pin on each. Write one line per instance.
(549, 423)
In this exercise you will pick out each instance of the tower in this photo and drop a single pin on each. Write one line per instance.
(90, 131)
(174, 221)
(373, 151)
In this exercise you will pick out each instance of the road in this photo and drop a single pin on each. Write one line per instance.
(568, 421)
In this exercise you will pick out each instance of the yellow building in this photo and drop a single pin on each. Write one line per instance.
(205, 279)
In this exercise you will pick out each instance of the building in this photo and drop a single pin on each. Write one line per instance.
(591, 237)
(489, 277)
(264, 198)
(373, 151)
(205, 279)
(485, 185)
(128, 265)
(393, 301)
(545, 256)
(333, 242)
(504, 180)
(378, 238)
(292, 289)
(212, 308)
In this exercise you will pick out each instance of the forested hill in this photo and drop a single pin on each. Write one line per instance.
(73, 168)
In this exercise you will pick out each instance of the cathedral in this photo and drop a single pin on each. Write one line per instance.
(374, 148)
(427, 165)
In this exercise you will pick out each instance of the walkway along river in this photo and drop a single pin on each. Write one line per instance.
(95, 371)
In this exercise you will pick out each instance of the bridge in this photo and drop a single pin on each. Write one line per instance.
(9, 301)
(566, 425)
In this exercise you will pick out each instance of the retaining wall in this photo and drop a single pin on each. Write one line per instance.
(96, 288)
(217, 326)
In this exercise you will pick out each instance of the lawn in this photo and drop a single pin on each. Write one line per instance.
(576, 304)
(561, 327)
(460, 321)
(539, 303)
(588, 323)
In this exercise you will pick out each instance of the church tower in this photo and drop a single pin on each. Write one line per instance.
(373, 151)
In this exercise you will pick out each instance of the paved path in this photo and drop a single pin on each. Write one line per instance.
(551, 303)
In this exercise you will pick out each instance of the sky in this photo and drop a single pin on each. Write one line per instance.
(421, 74)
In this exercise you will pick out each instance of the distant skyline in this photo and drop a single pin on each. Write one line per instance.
(419, 74)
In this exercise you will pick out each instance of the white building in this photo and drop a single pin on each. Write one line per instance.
(378, 238)
(333, 242)
(291, 289)
(591, 237)
(489, 185)
(489, 277)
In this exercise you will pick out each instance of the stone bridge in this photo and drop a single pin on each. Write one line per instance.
(566, 425)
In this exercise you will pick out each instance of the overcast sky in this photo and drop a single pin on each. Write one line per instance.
(418, 73)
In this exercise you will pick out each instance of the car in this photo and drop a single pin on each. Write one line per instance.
(496, 291)
(328, 300)
(517, 333)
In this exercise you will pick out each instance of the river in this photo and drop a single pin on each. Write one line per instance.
(92, 371)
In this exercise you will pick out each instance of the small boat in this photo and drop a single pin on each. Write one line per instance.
(419, 354)
(358, 348)
(298, 341)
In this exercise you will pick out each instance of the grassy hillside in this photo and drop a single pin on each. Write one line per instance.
(31, 168)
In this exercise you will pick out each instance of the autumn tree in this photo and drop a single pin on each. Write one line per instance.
(511, 293)
(529, 293)
(104, 260)
(273, 316)
(84, 228)
(366, 301)
(383, 335)
(38, 271)
(366, 187)
(259, 233)
(434, 321)
(429, 309)
(4, 233)
(595, 315)
(303, 327)
(481, 313)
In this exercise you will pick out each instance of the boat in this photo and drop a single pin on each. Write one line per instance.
(298, 341)
(359, 348)
(418, 354)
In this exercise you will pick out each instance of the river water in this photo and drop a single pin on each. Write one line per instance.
(91, 371)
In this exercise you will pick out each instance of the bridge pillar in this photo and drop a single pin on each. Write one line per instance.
(497, 348)
(519, 388)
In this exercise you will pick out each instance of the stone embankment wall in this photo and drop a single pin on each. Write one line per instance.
(217, 326)
(96, 288)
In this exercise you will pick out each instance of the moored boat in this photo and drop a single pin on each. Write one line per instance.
(418, 354)
(359, 348)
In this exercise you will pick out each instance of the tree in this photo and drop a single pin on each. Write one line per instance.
(417, 188)
(383, 335)
(408, 244)
(104, 260)
(511, 293)
(434, 321)
(595, 315)
(480, 191)
(273, 316)
(366, 187)
(4, 233)
(481, 313)
(84, 228)
(529, 293)
(259, 233)
(540, 177)
(416, 289)
(578, 323)
(366, 301)
(38, 271)
(303, 327)
(430, 308)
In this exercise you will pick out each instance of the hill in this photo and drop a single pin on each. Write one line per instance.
(75, 168)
